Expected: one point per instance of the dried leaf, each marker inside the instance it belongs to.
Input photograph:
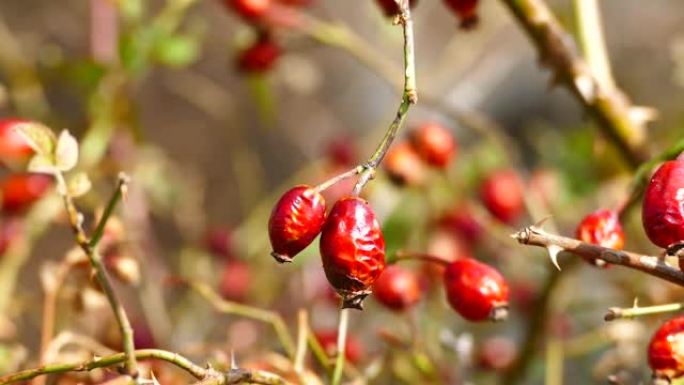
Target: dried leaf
(41, 139)
(79, 184)
(43, 164)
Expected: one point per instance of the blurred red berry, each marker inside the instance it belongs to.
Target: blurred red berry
(502, 194)
(236, 280)
(497, 353)
(14, 149)
(260, 57)
(663, 207)
(250, 10)
(434, 143)
(390, 7)
(341, 152)
(466, 11)
(462, 220)
(397, 288)
(603, 228)
(476, 291)
(545, 184)
(19, 191)
(353, 350)
(295, 221)
(10, 229)
(143, 338)
(404, 166)
(352, 249)
(666, 350)
(219, 242)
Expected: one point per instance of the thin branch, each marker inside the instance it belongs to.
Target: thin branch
(408, 256)
(109, 209)
(409, 97)
(651, 265)
(635, 311)
(341, 346)
(592, 41)
(76, 222)
(247, 311)
(611, 108)
(302, 335)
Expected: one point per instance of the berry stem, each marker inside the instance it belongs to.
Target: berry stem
(635, 311)
(409, 97)
(651, 265)
(341, 346)
(338, 178)
(406, 256)
(76, 223)
(609, 107)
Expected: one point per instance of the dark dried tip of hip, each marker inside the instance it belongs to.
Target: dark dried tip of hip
(499, 313)
(658, 380)
(676, 250)
(281, 258)
(354, 300)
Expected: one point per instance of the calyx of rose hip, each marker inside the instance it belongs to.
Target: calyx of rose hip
(352, 250)
(295, 222)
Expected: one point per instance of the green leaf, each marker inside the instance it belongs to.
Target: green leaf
(41, 139)
(66, 153)
(177, 50)
(79, 184)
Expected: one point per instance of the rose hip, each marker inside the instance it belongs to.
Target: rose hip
(434, 143)
(13, 147)
(476, 291)
(390, 7)
(404, 166)
(663, 207)
(502, 194)
(295, 221)
(250, 10)
(235, 281)
(466, 11)
(397, 288)
(352, 250)
(260, 57)
(666, 350)
(603, 228)
(353, 350)
(20, 191)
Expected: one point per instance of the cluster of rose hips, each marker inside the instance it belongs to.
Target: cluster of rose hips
(352, 245)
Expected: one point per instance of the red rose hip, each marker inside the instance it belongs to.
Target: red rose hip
(466, 11)
(397, 288)
(259, 57)
(404, 166)
(352, 250)
(666, 350)
(476, 291)
(250, 10)
(434, 143)
(603, 228)
(663, 208)
(20, 191)
(502, 194)
(13, 147)
(295, 221)
(353, 350)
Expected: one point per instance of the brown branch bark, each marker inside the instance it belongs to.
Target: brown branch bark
(611, 109)
(652, 265)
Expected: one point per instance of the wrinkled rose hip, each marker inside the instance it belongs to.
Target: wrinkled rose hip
(476, 291)
(663, 207)
(352, 250)
(397, 288)
(295, 221)
(603, 228)
(666, 350)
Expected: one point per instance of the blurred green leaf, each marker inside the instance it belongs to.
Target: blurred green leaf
(177, 50)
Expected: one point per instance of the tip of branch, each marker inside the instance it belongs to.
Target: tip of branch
(612, 314)
(522, 236)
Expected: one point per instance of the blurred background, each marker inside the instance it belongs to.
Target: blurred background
(153, 88)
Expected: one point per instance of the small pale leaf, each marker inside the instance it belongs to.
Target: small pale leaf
(79, 184)
(41, 139)
(66, 153)
(42, 164)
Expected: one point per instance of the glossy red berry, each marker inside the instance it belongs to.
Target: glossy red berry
(250, 10)
(352, 250)
(13, 147)
(397, 288)
(353, 350)
(466, 11)
(19, 191)
(390, 7)
(666, 350)
(663, 207)
(476, 291)
(502, 194)
(235, 281)
(603, 228)
(295, 221)
(260, 57)
(434, 143)
(404, 166)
